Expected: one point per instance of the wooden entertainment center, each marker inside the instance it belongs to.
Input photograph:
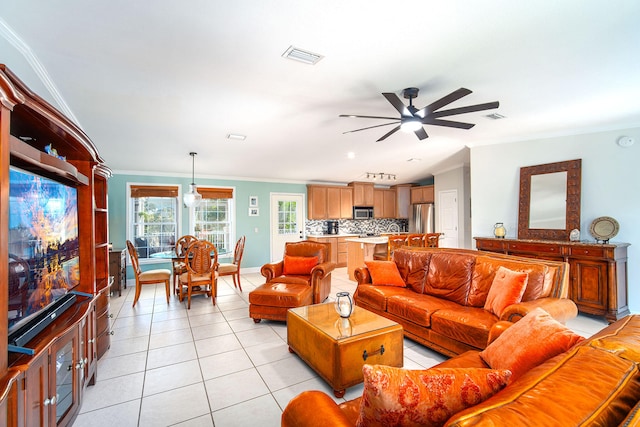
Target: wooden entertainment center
(44, 385)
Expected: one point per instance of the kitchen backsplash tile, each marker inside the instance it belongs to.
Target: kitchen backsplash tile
(361, 226)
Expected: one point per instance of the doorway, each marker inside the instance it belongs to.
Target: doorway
(287, 221)
(448, 218)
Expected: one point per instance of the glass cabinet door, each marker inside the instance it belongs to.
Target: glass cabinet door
(64, 379)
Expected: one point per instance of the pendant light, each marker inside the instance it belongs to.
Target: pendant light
(192, 198)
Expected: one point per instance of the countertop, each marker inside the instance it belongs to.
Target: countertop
(370, 240)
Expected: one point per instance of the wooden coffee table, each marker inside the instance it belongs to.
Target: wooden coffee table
(336, 348)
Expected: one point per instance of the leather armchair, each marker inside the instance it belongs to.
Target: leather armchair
(320, 277)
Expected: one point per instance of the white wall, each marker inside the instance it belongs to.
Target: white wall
(610, 187)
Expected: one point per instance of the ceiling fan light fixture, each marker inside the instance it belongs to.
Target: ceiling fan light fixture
(411, 124)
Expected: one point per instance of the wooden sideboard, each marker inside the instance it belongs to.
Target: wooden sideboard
(597, 272)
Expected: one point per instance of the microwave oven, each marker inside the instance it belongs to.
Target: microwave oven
(362, 212)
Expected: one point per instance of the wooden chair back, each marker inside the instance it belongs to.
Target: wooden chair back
(432, 240)
(415, 240)
(239, 251)
(201, 258)
(183, 244)
(133, 254)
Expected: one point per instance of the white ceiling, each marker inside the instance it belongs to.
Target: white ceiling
(150, 81)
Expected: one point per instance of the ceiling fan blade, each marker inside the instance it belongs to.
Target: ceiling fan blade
(370, 127)
(421, 134)
(448, 123)
(445, 100)
(468, 109)
(369, 117)
(388, 134)
(397, 103)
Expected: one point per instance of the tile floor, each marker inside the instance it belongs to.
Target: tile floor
(211, 365)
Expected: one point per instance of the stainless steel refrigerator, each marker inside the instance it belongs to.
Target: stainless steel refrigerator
(422, 218)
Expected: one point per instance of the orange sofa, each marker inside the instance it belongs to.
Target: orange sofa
(594, 382)
(442, 304)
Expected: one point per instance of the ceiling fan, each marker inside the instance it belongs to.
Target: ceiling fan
(412, 119)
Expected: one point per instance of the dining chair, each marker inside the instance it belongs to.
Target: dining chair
(233, 268)
(395, 241)
(415, 240)
(149, 277)
(201, 277)
(432, 240)
(179, 266)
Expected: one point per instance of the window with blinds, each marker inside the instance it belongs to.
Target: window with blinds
(213, 218)
(153, 224)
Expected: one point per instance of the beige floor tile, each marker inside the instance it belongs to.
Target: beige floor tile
(174, 406)
(235, 388)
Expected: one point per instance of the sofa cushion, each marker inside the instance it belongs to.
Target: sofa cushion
(449, 276)
(401, 397)
(583, 387)
(413, 266)
(384, 273)
(300, 265)
(416, 308)
(375, 297)
(507, 288)
(486, 267)
(470, 325)
(530, 341)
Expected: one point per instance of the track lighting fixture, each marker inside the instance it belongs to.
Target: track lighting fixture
(381, 176)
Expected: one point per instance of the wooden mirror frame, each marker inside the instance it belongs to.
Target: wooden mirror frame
(574, 174)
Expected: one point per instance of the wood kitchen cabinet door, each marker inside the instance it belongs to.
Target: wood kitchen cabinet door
(316, 202)
(424, 194)
(362, 193)
(339, 203)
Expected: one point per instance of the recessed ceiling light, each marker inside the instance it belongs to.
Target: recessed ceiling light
(495, 116)
(413, 159)
(300, 55)
(236, 136)
(351, 155)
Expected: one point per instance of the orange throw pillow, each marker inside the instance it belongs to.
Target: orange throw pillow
(300, 265)
(530, 341)
(385, 273)
(402, 397)
(507, 288)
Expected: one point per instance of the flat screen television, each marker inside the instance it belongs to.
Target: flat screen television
(43, 248)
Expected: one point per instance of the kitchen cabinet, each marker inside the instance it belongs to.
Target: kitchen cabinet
(403, 200)
(597, 272)
(423, 194)
(384, 203)
(329, 202)
(338, 249)
(362, 193)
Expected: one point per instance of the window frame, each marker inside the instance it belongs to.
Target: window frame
(130, 222)
(232, 214)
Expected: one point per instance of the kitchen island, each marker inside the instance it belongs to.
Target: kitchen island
(361, 249)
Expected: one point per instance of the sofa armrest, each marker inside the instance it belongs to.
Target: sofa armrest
(269, 271)
(321, 270)
(313, 409)
(561, 309)
(362, 275)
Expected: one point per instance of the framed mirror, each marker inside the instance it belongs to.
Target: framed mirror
(549, 200)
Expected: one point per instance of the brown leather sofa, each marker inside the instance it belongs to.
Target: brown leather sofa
(283, 290)
(442, 305)
(596, 382)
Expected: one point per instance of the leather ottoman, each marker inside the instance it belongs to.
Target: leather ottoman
(272, 300)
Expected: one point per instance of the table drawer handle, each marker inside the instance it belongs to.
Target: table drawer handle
(379, 351)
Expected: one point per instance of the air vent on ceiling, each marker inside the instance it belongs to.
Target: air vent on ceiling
(302, 55)
(495, 116)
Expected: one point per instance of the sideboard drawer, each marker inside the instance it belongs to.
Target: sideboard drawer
(533, 247)
(490, 245)
(587, 251)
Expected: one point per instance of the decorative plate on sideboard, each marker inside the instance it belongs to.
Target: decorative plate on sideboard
(604, 228)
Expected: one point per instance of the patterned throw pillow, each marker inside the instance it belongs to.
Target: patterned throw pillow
(530, 341)
(301, 265)
(507, 288)
(385, 273)
(402, 397)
